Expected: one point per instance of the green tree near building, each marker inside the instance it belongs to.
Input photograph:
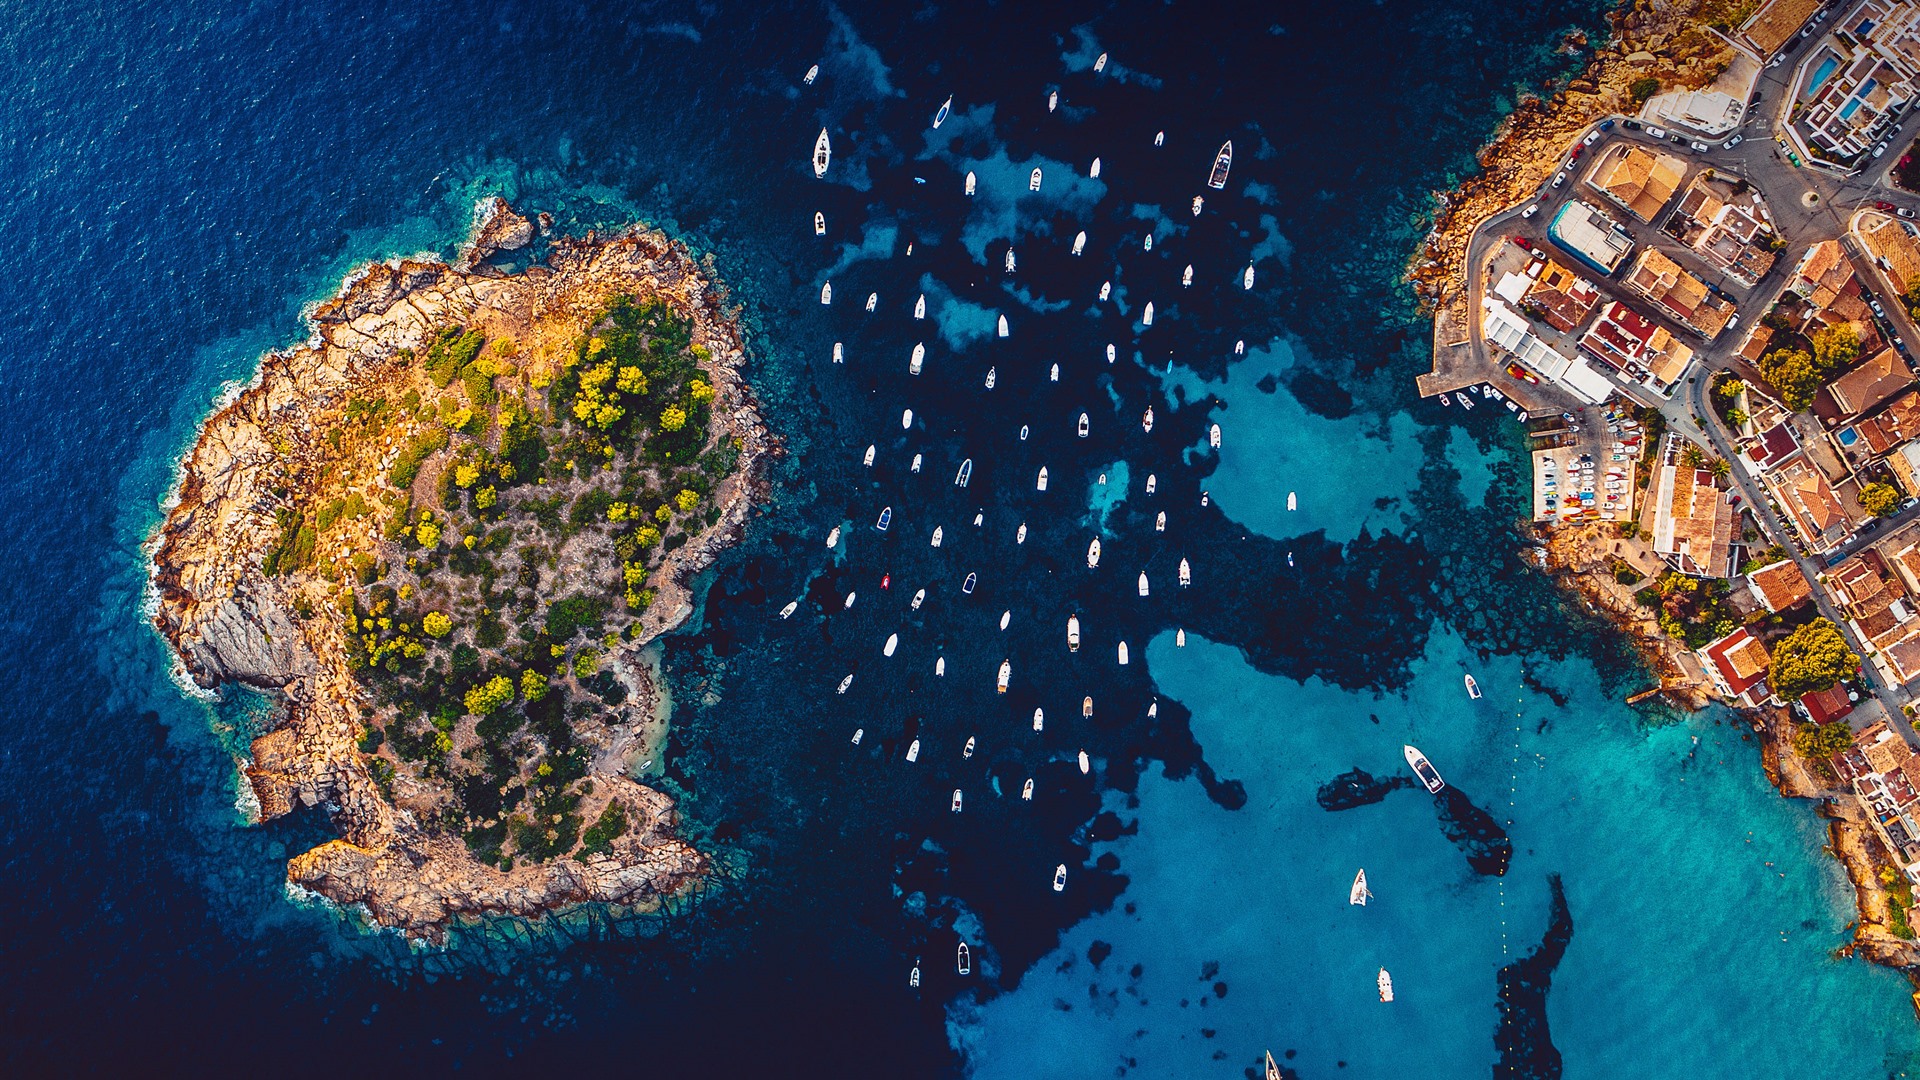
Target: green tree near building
(1791, 373)
(1811, 658)
(1834, 347)
(1822, 740)
(1879, 499)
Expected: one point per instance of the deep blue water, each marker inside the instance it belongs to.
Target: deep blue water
(187, 176)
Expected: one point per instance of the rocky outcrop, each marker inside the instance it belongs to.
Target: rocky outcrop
(230, 621)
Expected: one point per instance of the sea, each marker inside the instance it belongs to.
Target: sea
(1601, 890)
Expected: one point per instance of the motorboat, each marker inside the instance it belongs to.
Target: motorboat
(867, 460)
(920, 308)
(848, 603)
(1086, 763)
(1180, 638)
(1186, 277)
(1073, 633)
(1465, 401)
(938, 532)
(967, 750)
(1445, 400)
(1006, 675)
(1041, 484)
(858, 734)
(1112, 353)
(966, 960)
(1359, 893)
(965, 474)
(886, 581)
(1020, 534)
(1222, 162)
(1023, 432)
(1033, 181)
(1159, 137)
(906, 419)
(946, 109)
(1100, 64)
(1148, 245)
(1080, 242)
(940, 666)
(839, 353)
(844, 683)
(1198, 202)
(915, 467)
(970, 181)
(893, 642)
(1160, 522)
(1060, 878)
(1146, 317)
(1026, 790)
(919, 597)
(979, 519)
(1005, 618)
(1003, 318)
(1289, 558)
(1206, 499)
(1093, 553)
(1106, 290)
(1054, 374)
(1146, 423)
(1246, 279)
(1011, 262)
(1424, 769)
(1293, 500)
(1153, 708)
(1039, 719)
(1143, 583)
(1473, 688)
(833, 536)
(822, 153)
(1240, 347)
(1103, 480)
(1385, 982)
(913, 980)
(1093, 171)
(966, 587)
(1213, 436)
(1123, 654)
(1153, 482)
(919, 358)
(812, 74)
(819, 223)
(1053, 102)
(993, 376)
(956, 804)
(1084, 426)
(792, 606)
(826, 292)
(1086, 707)
(873, 301)
(1186, 574)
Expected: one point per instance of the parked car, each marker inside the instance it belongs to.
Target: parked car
(1777, 61)
(1592, 137)
(1733, 321)
(1658, 133)
(1676, 140)
(1530, 211)
(1562, 179)
(1754, 100)
(1630, 125)
(1698, 147)
(1903, 211)
(1733, 142)
(1883, 205)
(1881, 149)
(1522, 242)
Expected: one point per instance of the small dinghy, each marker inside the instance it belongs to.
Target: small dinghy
(1123, 654)
(1026, 790)
(1198, 202)
(1153, 481)
(1093, 554)
(885, 519)
(1086, 707)
(1160, 522)
(1020, 534)
(822, 153)
(1033, 181)
(993, 376)
(792, 606)
(873, 300)
(1100, 64)
(938, 532)
(826, 292)
(819, 223)
(1011, 262)
(946, 108)
(1213, 436)
(919, 598)
(1039, 719)
(970, 183)
(1093, 171)
(1080, 242)
(915, 467)
(839, 353)
(1180, 638)
(1084, 426)
(940, 666)
(1473, 688)
(1146, 422)
(1186, 277)
(1106, 290)
(814, 73)
(1054, 374)
(1293, 500)
(1006, 676)
(961, 478)
(967, 750)
(913, 751)
(833, 536)
(858, 734)
(1003, 318)
(1359, 894)
(966, 587)
(1086, 763)
(844, 683)
(1148, 244)
(966, 960)
(1005, 618)
(1053, 102)
(919, 357)
(906, 419)
(1041, 484)
(868, 459)
(956, 809)
(1146, 317)
(920, 307)
(1186, 574)
(1246, 279)
(893, 642)
(1112, 353)
(1143, 583)
(1073, 633)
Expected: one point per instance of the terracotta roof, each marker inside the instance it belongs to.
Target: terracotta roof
(1893, 425)
(1684, 296)
(1879, 378)
(1781, 585)
(1740, 660)
(1776, 22)
(1823, 274)
(1887, 238)
(1566, 297)
(1827, 705)
(1888, 752)
(1904, 657)
(1756, 344)
(1642, 181)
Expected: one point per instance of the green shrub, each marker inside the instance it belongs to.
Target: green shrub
(577, 612)
(407, 465)
(599, 837)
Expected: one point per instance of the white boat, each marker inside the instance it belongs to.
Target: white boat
(858, 734)
(812, 74)
(919, 598)
(1240, 347)
(1086, 764)
(967, 750)
(940, 666)
(956, 809)
(979, 519)
(839, 353)
(993, 376)
(1054, 374)
(1073, 633)
(966, 587)
(1011, 262)
(819, 223)
(1186, 277)
(1293, 500)
(1246, 279)
(1222, 162)
(1041, 484)
(1005, 618)
(1023, 432)
(1112, 352)
(1060, 878)
(867, 460)
(970, 181)
(1003, 318)
(1033, 181)
(1053, 101)
(961, 478)
(1160, 522)
(792, 606)
(826, 292)
(915, 467)
(938, 532)
(1084, 426)
(1148, 245)
(1180, 638)
(1100, 64)
(844, 683)
(1093, 553)
(1006, 676)
(893, 642)
(966, 961)
(1385, 982)
(1143, 583)
(913, 980)
(1159, 137)
(822, 153)
(1106, 290)
(1086, 708)
(1146, 317)
(1273, 1071)
(848, 603)
(919, 357)
(1103, 480)
(1026, 790)
(1186, 574)
(906, 419)
(1423, 769)
(1213, 436)
(1153, 481)
(1198, 202)
(920, 308)
(1039, 719)
(1359, 893)
(833, 536)
(1080, 242)
(1123, 654)
(1146, 425)
(1020, 534)
(946, 108)
(873, 300)
(1473, 688)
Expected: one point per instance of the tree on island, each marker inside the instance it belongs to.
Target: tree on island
(1792, 374)
(1880, 500)
(1811, 658)
(1822, 740)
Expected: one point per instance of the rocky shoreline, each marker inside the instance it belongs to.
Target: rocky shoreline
(274, 449)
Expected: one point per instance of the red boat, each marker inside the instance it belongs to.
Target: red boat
(886, 580)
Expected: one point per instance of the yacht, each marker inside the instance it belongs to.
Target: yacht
(1186, 277)
(1041, 484)
(940, 666)
(848, 604)
(967, 750)
(1160, 522)
(938, 532)
(844, 683)
(1053, 102)
(1153, 481)
(1020, 534)
(1146, 425)
(1111, 352)
(1106, 290)
(1423, 769)
(915, 467)
(1143, 583)
(839, 353)
(1473, 689)
(906, 419)
(1385, 982)
(1073, 633)
(919, 357)
(1146, 317)
(1080, 242)
(956, 809)
(1033, 181)
(858, 734)
(920, 309)
(1006, 675)
(1003, 318)
(919, 598)
(1086, 763)
(1186, 574)
(833, 536)
(819, 223)
(822, 153)
(1246, 279)
(1039, 719)
(913, 980)
(1086, 710)
(1093, 171)
(1060, 878)
(1100, 64)
(826, 292)
(1221, 163)
(792, 606)
(1293, 500)
(893, 642)
(1084, 425)
(1159, 137)
(1093, 553)
(1359, 893)
(965, 474)
(812, 74)
(1197, 203)
(946, 109)
(966, 960)
(1123, 654)
(970, 183)
(1148, 245)
(966, 587)
(1054, 374)
(1005, 618)
(1026, 790)
(868, 459)
(993, 376)
(873, 300)
(1213, 436)
(1180, 638)
(1011, 262)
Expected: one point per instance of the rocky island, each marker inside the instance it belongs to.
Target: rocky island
(439, 533)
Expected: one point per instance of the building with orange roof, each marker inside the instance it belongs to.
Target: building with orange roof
(1692, 520)
(1779, 586)
(1737, 664)
(1811, 506)
(1681, 295)
(1822, 273)
(1561, 298)
(1774, 23)
(1639, 180)
(1875, 380)
(1891, 243)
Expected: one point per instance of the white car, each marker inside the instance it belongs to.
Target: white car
(1530, 211)
(1733, 142)
(1658, 133)
(1777, 61)
(1560, 179)
(1592, 137)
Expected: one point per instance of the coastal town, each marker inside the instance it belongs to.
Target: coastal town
(1695, 286)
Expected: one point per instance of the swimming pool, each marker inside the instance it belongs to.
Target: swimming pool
(1821, 74)
(1849, 436)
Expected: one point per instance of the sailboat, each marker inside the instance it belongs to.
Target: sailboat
(812, 74)
(1005, 676)
(913, 980)
(1246, 279)
(1003, 318)
(1359, 893)
(965, 474)
(1073, 633)
(1423, 769)
(1221, 163)
(1273, 1071)
(1053, 100)
(1033, 180)
(819, 223)
(1385, 982)
(826, 292)
(1080, 242)
(1041, 484)
(920, 307)
(946, 107)
(1473, 689)
(970, 181)
(822, 153)
(1093, 554)
(919, 357)
(1060, 878)
(1039, 719)
(1093, 171)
